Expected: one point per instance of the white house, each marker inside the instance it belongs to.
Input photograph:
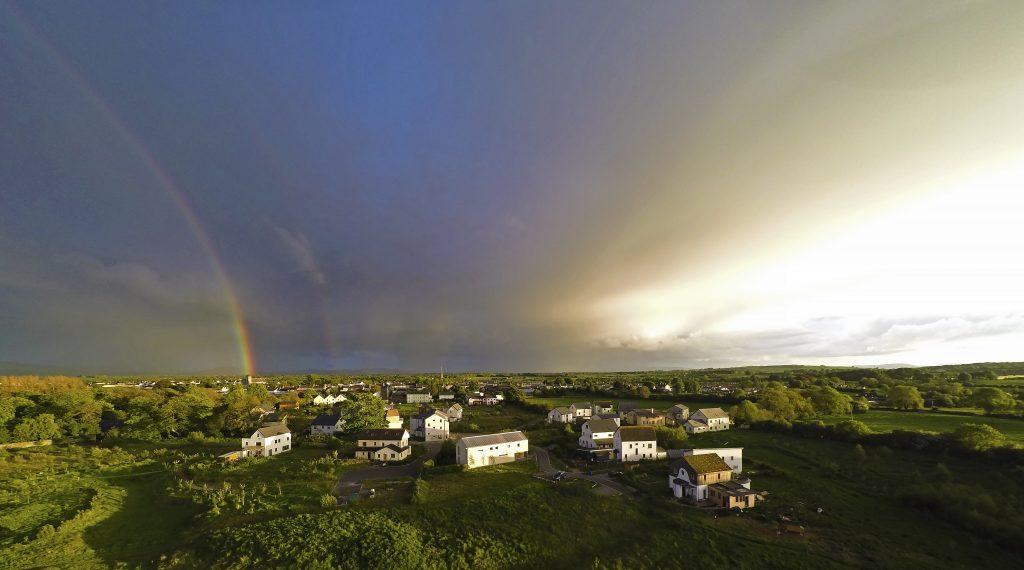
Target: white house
(715, 418)
(598, 434)
(326, 424)
(694, 426)
(430, 424)
(454, 412)
(581, 410)
(635, 443)
(733, 456)
(482, 450)
(483, 401)
(560, 415)
(393, 418)
(370, 441)
(269, 440)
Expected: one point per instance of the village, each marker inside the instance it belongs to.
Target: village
(614, 437)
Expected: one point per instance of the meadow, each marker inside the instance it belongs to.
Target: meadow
(887, 420)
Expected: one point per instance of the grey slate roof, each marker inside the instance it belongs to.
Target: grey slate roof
(598, 426)
(326, 420)
(713, 413)
(637, 433)
(493, 439)
(383, 434)
(272, 430)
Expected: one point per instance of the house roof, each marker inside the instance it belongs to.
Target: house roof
(696, 423)
(603, 404)
(598, 426)
(272, 430)
(392, 413)
(733, 488)
(562, 410)
(385, 434)
(637, 433)
(395, 448)
(647, 413)
(581, 404)
(493, 439)
(626, 406)
(430, 412)
(679, 407)
(326, 420)
(713, 413)
(455, 406)
(605, 416)
(700, 464)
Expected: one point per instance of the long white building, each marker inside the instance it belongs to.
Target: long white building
(493, 449)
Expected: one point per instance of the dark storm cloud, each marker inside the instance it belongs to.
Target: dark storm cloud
(521, 186)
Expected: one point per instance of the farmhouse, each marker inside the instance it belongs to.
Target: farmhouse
(715, 418)
(454, 412)
(371, 441)
(326, 424)
(560, 415)
(430, 424)
(598, 434)
(482, 450)
(633, 443)
(269, 440)
(581, 409)
(393, 418)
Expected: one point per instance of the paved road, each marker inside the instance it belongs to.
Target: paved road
(544, 462)
(411, 469)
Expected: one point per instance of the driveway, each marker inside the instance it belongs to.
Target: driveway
(544, 462)
(411, 469)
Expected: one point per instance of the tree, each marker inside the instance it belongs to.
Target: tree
(43, 426)
(748, 412)
(691, 386)
(184, 412)
(644, 392)
(671, 437)
(905, 398)
(677, 386)
(993, 400)
(851, 429)
(446, 456)
(861, 405)
(259, 391)
(830, 402)
(978, 437)
(364, 410)
(514, 394)
(784, 403)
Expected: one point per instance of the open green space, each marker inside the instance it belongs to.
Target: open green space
(555, 401)
(885, 420)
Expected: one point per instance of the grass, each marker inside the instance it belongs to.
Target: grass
(885, 420)
(491, 420)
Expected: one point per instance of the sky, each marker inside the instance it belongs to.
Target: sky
(509, 186)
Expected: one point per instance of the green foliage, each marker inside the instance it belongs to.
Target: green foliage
(338, 539)
(43, 426)
(978, 437)
(829, 401)
(671, 437)
(905, 398)
(993, 400)
(364, 410)
(446, 455)
(421, 490)
(851, 429)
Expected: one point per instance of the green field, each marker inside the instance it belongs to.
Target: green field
(885, 420)
(555, 401)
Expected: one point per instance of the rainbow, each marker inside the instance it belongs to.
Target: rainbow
(239, 328)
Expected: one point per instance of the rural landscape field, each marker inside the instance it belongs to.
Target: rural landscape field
(515, 284)
(132, 473)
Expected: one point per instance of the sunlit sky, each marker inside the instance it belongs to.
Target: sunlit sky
(541, 186)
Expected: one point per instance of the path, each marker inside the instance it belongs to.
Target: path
(544, 462)
(411, 469)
